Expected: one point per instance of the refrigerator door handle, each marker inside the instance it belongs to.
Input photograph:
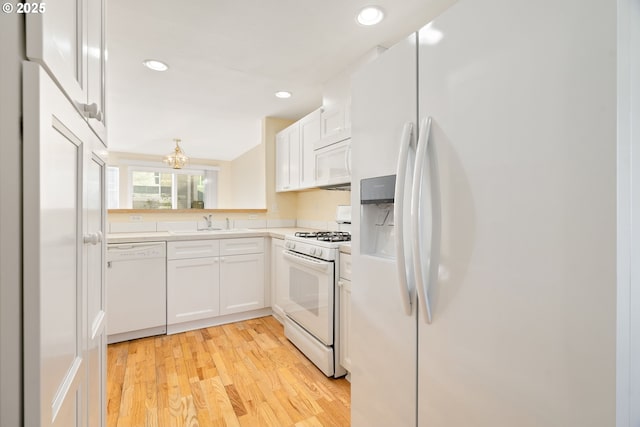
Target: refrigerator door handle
(422, 286)
(398, 212)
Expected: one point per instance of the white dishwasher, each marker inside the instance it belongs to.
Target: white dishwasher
(136, 290)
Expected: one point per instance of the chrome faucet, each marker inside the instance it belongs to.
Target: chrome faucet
(208, 220)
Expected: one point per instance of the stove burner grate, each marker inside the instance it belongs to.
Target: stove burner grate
(325, 236)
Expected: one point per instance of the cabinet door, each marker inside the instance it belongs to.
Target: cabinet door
(294, 156)
(345, 323)
(282, 161)
(309, 136)
(345, 266)
(193, 289)
(68, 40)
(54, 294)
(96, 67)
(241, 283)
(55, 39)
(288, 158)
(279, 279)
(94, 262)
(335, 124)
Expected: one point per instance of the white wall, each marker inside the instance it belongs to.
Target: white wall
(337, 90)
(628, 323)
(248, 186)
(11, 54)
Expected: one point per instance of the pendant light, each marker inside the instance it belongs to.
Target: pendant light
(177, 159)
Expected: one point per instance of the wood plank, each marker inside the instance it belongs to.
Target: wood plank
(245, 374)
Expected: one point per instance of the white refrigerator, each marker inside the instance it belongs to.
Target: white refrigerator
(484, 225)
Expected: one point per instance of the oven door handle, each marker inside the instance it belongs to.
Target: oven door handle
(306, 261)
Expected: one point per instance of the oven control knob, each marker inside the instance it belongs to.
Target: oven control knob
(312, 251)
(320, 252)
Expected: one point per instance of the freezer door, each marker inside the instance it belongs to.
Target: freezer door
(523, 111)
(383, 338)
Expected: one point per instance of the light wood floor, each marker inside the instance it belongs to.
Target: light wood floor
(241, 374)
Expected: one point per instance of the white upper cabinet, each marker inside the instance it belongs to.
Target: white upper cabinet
(55, 39)
(68, 40)
(335, 124)
(295, 162)
(309, 136)
(288, 158)
(96, 67)
(315, 150)
(282, 162)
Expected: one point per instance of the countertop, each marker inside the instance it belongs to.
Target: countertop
(277, 233)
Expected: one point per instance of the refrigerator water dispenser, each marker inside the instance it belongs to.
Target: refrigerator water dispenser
(377, 234)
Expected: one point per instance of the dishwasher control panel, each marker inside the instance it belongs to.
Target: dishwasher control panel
(124, 251)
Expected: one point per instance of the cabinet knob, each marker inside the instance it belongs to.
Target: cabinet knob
(93, 238)
(91, 111)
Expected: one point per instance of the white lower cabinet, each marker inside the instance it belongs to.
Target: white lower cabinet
(211, 278)
(279, 279)
(193, 289)
(345, 310)
(241, 283)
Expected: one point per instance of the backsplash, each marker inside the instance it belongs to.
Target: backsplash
(320, 205)
(154, 226)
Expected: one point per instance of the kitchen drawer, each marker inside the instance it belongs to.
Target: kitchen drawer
(345, 266)
(249, 245)
(193, 249)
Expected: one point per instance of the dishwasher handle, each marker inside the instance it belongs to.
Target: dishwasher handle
(128, 246)
(135, 251)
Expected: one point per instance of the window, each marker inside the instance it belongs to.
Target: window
(151, 190)
(190, 188)
(113, 187)
(150, 187)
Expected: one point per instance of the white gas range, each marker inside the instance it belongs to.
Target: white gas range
(312, 321)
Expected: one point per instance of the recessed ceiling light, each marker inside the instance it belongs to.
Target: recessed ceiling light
(283, 94)
(430, 35)
(155, 65)
(370, 15)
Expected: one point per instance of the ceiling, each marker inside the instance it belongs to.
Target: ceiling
(227, 58)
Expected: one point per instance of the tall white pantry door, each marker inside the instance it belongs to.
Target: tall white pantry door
(64, 346)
